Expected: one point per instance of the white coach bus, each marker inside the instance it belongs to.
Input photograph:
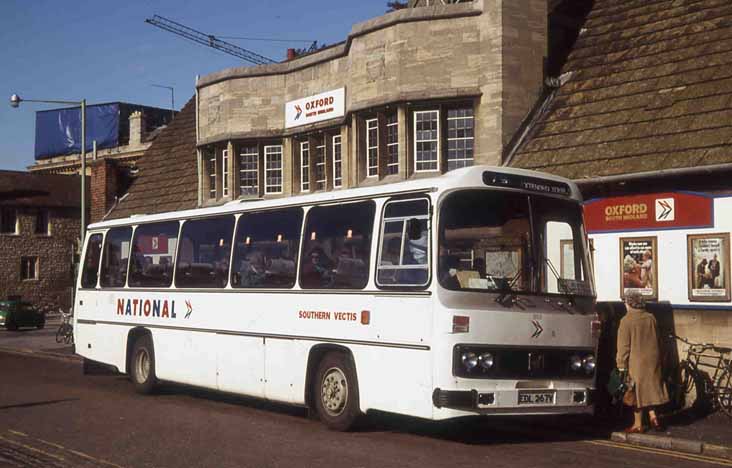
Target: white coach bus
(464, 294)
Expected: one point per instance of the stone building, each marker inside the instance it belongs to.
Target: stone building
(39, 232)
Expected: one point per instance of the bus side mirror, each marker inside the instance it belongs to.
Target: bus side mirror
(414, 229)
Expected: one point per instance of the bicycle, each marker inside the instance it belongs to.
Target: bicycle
(65, 332)
(706, 372)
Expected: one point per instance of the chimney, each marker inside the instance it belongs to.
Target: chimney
(137, 128)
(104, 183)
(291, 55)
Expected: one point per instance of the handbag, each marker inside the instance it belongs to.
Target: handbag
(616, 385)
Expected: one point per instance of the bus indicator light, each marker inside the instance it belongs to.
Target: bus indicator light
(365, 317)
(460, 324)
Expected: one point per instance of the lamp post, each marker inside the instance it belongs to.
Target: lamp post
(15, 101)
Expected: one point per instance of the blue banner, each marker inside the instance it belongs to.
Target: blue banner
(58, 132)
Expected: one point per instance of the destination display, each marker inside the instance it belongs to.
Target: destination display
(532, 184)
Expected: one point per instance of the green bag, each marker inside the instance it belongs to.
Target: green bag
(616, 384)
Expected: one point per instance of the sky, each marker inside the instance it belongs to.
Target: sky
(103, 51)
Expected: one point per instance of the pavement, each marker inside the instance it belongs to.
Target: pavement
(685, 432)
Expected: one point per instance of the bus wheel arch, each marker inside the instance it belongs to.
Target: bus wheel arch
(140, 365)
(332, 386)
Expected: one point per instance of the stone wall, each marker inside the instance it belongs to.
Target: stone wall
(491, 49)
(55, 251)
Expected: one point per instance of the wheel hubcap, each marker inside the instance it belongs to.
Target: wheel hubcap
(142, 366)
(334, 391)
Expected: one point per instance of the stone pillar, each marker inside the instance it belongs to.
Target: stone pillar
(104, 183)
(137, 128)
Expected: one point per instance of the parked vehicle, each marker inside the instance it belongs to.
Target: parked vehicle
(16, 314)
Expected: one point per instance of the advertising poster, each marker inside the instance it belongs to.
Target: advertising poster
(708, 257)
(639, 266)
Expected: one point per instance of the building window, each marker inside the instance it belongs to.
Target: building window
(392, 144)
(305, 166)
(42, 224)
(248, 170)
(426, 140)
(211, 168)
(460, 137)
(8, 221)
(337, 162)
(273, 169)
(28, 268)
(372, 147)
(225, 173)
(320, 172)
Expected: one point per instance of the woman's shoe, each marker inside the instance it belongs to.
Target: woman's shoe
(635, 430)
(656, 425)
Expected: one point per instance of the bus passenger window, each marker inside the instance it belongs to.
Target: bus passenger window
(91, 262)
(404, 255)
(203, 256)
(266, 249)
(152, 248)
(115, 256)
(337, 246)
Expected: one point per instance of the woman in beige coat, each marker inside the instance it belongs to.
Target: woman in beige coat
(639, 353)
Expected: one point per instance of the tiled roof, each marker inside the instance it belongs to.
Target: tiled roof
(40, 190)
(650, 89)
(167, 179)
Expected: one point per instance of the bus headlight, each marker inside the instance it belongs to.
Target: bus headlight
(575, 363)
(588, 363)
(470, 360)
(486, 361)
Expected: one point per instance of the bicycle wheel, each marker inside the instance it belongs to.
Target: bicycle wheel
(69, 336)
(724, 392)
(684, 392)
(60, 333)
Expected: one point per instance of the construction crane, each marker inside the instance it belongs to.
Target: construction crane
(208, 40)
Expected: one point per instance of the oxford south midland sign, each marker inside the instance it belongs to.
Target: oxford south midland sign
(311, 109)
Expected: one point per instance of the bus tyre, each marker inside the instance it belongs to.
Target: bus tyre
(142, 365)
(336, 392)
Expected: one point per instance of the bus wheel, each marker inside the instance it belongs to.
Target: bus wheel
(336, 392)
(142, 365)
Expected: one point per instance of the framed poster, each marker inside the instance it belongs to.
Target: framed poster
(708, 260)
(639, 266)
(566, 267)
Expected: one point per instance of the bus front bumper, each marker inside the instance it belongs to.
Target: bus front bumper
(514, 401)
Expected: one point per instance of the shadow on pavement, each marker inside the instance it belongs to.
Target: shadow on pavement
(38, 403)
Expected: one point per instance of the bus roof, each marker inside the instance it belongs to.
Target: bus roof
(466, 177)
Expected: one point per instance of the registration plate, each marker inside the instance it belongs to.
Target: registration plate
(536, 398)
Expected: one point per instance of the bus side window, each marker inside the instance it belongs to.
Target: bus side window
(203, 257)
(115, 256)
(266, 249)
(404, 251)
(91, 262)
(153, 249)
(337, 246)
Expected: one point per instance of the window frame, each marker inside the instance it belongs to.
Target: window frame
(304, 167)
(36, 262)
(369, 167)
(379, 245)
(438, 140)
(3, 211)
(390, 165)
(181, 227)
(337, 181)
(304, 241)
(45, 215)
(321, 185)
(210, 156)
(267, 170)
(82, 262)
(448, 139)
(102, 257)
(174, 260)
(225, 172)
(244, 151)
